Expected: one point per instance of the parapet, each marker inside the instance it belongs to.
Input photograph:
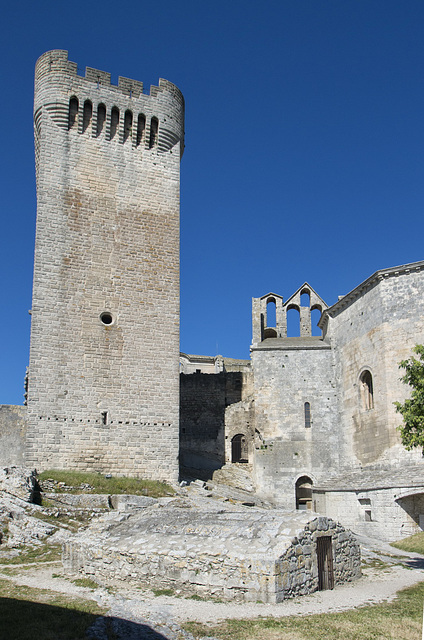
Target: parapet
(92, 105)
(56, 61)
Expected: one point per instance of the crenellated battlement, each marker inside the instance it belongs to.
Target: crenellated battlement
(91, 105)
(56, 61)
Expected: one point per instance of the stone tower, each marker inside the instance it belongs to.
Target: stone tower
(104, 361)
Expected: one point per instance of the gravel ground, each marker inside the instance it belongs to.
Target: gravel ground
(139, 615)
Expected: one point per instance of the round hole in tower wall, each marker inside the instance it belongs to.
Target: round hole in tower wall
(106, 318)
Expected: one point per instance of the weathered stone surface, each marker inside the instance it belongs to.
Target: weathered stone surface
(214, 549)
(103, 389)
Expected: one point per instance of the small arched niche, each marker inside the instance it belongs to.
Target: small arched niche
(101, 119)
(114, 122)
(154, 129)
(367, 390)
(87, 115)
(141, 127)
(128, 120)
(73, 113)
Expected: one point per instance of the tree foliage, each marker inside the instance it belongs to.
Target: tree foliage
(412, 410)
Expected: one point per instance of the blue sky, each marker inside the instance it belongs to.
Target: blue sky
(304, 147)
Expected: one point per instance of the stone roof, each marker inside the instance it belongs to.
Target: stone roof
(369, 283)
(372, 479)
(219, 528)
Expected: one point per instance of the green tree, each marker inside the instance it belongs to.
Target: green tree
(412, 410)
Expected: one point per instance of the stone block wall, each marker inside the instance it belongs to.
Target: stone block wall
(103, 376)
(13, 433)
(373, 330)
(285, 378)
(205, 402)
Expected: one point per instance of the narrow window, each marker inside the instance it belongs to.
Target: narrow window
(367, 390)
(87, 115)
(128, 120)
(73, 113)
(154, 126)
(307, 415)
(141, 126)
(105, 417)
(101, 119)
(114, 122)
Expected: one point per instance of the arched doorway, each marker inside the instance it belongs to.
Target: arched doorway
(239, 448)
(304, 493)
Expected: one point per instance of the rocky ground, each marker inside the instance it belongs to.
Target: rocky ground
(139, 614)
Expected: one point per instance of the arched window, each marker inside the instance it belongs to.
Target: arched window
(271, 313)
(141, 127)
(367, 390)
(154, 127)
(101, 119)
(239, 448)
(305, 298)
(316, 312)
(307, 409)
(304, 493)
(293, 321)
(128, 119)
(73, 113)
(114, 122)
(271, 319)
(87, 115)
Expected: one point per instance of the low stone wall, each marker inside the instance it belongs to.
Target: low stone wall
(240, 554)
(388, 514)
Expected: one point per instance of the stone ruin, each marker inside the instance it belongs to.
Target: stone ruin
(216, 549)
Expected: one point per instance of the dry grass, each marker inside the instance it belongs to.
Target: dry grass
(98, 483)
(398, 620)
(31, 555)
(414, 544)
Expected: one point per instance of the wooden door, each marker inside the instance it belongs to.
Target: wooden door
(325, 563)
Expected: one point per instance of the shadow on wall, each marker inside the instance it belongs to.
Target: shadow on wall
(203, 400)
(414, 507)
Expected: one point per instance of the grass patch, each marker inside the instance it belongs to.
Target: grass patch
(98, 483)
(28, 613)
(32, 555)
(375, 563)
(86, 582)
(164, 592)
(400, 619)
(413, 544)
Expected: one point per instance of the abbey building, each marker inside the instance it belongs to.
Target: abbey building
(309, 420)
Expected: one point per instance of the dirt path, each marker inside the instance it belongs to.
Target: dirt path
(376, 585)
